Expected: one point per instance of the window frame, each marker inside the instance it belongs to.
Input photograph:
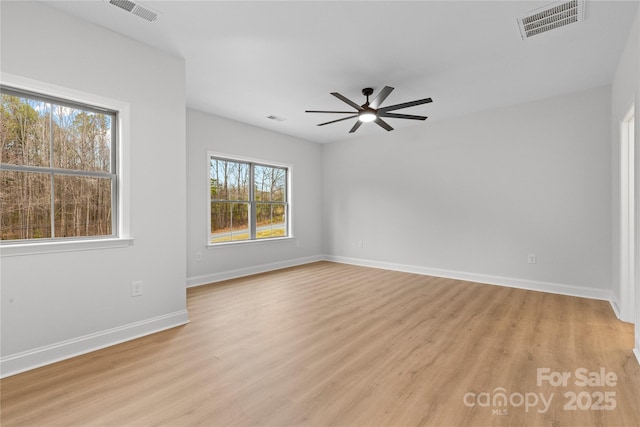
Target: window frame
(251, 162)
(119, 168)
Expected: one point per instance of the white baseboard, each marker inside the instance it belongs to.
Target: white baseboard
(554, 288)
(31, 359)
(615, 305)
(248, 271)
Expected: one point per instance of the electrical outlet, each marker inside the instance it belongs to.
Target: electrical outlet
(360, 243)
(532, 258)
(198, 256)
(136, 288)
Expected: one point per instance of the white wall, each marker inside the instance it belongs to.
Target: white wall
(210, 133)
(471, 197)
(635, 36)
(56, 305)
(625, 93)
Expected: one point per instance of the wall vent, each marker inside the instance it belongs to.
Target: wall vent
(550, 17)
(136, 9)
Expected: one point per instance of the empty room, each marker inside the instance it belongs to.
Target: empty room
(320, 213)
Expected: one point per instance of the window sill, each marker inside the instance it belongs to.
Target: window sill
(249, 242)
(18, 249)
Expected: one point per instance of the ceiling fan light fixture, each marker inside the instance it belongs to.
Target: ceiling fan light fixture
(367, 116)
(372, 111)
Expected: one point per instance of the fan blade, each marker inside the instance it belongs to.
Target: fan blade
(404, 105)
(379, 99)
(339, 120)
(401, 116)
(356, 126)
(322, 111)
(383, 124)
(346, 100)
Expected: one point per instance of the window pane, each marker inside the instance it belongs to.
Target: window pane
(82, 139)
(229, 180)
(24, 131)
(271, 220)
(82, 206)
(270, 183)
(25, 205)
(229, 222)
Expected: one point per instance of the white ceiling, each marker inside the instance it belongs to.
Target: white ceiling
(248, 60)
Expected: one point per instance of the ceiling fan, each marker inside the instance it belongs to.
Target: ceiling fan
(371, 111)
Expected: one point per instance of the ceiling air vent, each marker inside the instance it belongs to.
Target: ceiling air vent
(550, 17)
(136, 9)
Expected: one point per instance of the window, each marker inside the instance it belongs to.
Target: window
(248, 200)
(57, 169)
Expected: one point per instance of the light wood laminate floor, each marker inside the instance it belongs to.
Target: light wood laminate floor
(328, 344)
